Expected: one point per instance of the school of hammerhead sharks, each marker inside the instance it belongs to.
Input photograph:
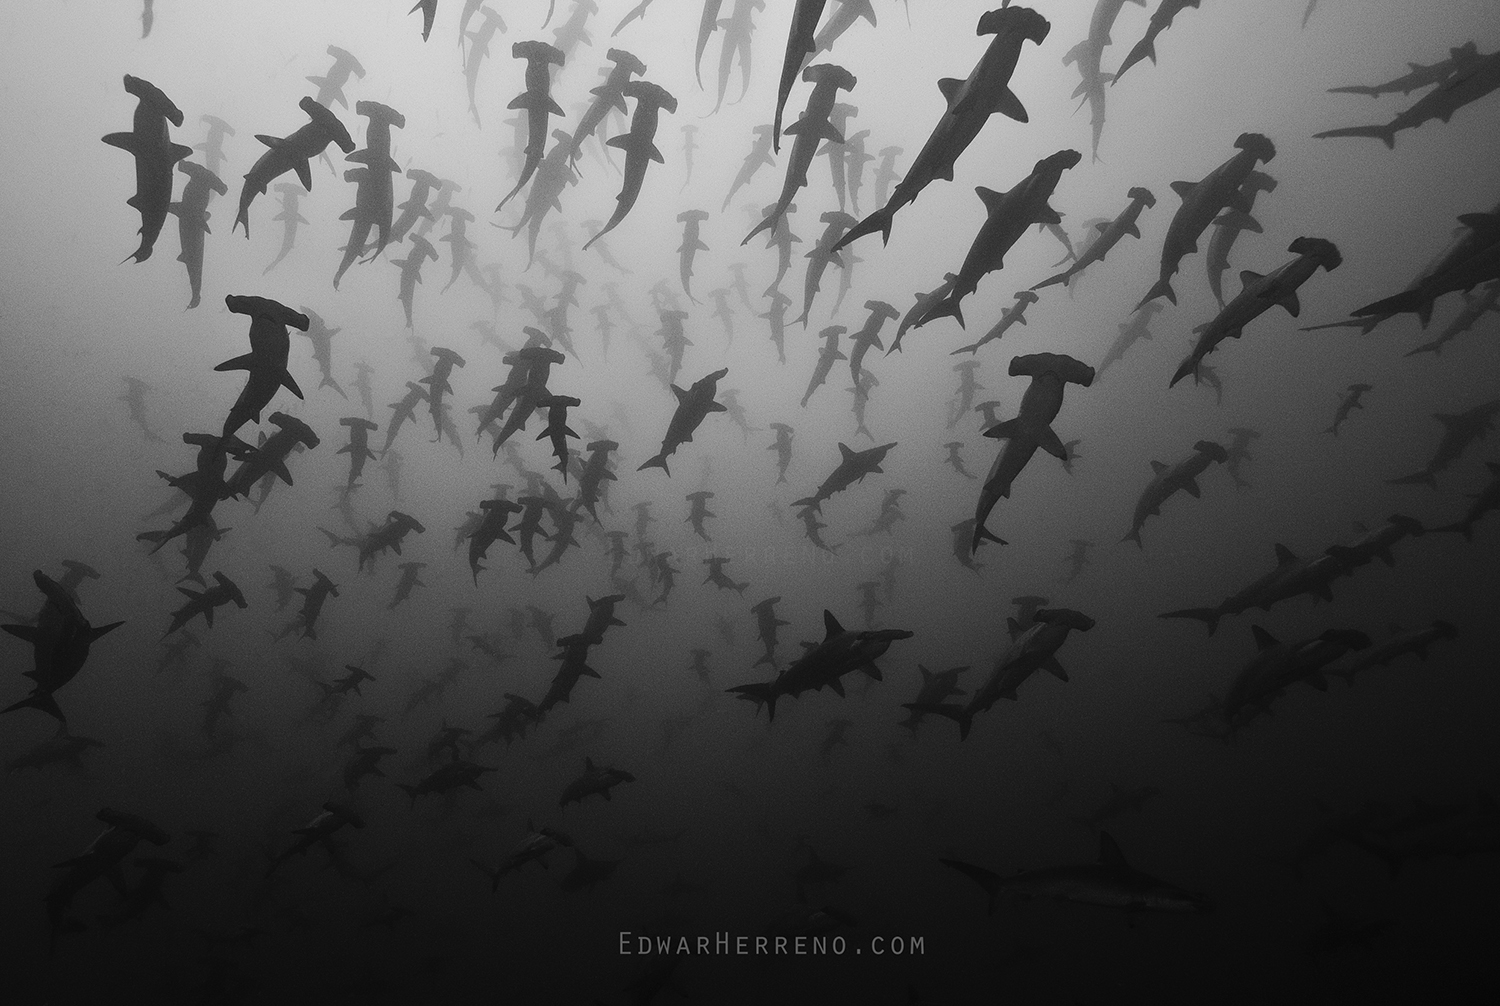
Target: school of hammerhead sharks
(259, 446)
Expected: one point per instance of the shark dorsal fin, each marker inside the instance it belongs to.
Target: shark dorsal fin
(1284, 555)
(1158, 467)
(949, 86)
(844, 452)
(831, 625)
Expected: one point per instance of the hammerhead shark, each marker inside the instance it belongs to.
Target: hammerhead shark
(814, 127)
(1168, 480)
(853, 466)
(192, 221)
(1013, 315)
(291, 219)
(608, 96)
(1417, 76)
(155, 158)
(292, 153)
(738, 29)
(1050, 374)
(800, 43)
(1259, 294)
(1202, 202)
(835, 224)
(639, 146)
(1031, 650)
(213, 144)
(971, 102)
(692, 244)
(1088, 56)
(537, 102)
(826, 358)
(1010, 215)
(479, 50)
(331, 84)
(1472, 78)
(1229, 226)
(375, 198)
(758, 157)
(270, 343)
(1161, 20)
(693, 406)
(411, 271)
(1110, 234)
(321, 337)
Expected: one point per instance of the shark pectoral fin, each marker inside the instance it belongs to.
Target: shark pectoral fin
(1285, 556)
(271, 141)
(1292, 304)
(177, 151)
(1052, 667)
(1132, 230)
(304, 173)
(280, 469)
(1003, 431)
(181, 590)
(1184, 189)
(1047, 215)
(290, 383)
(1010, 106)
(246, 362)
(1192, 489)
(837, 686)
(1158, 467)
(125, 141)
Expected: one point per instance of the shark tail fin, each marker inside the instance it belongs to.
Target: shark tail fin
(660, 461)
(759, 693)
(39, 700)
(982, 533)
(1163, 288)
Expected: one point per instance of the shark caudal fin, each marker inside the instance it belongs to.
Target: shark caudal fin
(1208, 616)
(660, 461)
(1163, 288)
(880, 221)
(38, 700)
(948, 307)
(760, 693)
(982, 533)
